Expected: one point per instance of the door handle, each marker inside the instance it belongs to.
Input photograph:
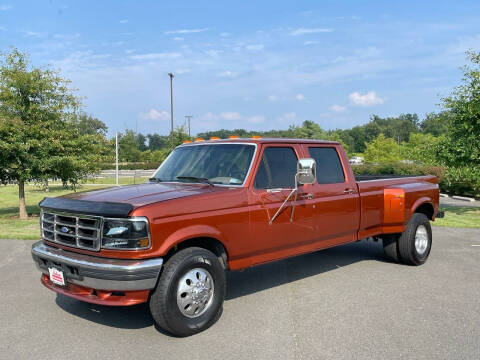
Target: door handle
(306, 196)
(349, 191)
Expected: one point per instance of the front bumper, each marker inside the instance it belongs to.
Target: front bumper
(97, 273)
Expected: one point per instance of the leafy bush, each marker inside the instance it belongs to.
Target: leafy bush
(132, 166)
(457, 181)
(461, 181)
(397, 168)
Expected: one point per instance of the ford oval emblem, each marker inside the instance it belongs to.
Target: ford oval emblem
(64, 229)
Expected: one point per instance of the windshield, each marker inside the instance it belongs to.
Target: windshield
(226, 164)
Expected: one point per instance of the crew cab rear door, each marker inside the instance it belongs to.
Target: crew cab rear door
(336, 215)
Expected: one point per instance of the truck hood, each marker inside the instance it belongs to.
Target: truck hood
(144, 194)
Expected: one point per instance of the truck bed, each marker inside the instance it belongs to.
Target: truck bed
(359, 178)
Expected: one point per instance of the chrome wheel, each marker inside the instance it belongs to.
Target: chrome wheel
(421, 240)
(195, 292)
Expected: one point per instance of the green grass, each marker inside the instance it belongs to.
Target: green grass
(13, 228)
(463, 217)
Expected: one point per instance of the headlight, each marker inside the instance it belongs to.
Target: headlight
(126, 234)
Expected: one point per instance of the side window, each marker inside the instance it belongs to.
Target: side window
(329, 167)
(277, 168)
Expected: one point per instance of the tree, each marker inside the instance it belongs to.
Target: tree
(157, 142)
(382, 150)
(39, 137)
(435, 124)
(128, 147)
(89, 125)
(461, 146)
(421, 148)
(140, 139)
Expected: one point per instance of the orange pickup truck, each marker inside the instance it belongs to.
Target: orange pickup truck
(221, 205)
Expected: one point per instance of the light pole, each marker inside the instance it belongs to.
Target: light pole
(171, 108)
(116, 158)
(188, 117)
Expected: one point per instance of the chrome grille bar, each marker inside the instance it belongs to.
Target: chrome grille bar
(79, 231)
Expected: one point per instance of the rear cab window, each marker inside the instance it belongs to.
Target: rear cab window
(277, 168)
(329, 166)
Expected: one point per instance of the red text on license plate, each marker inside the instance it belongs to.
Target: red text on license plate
(56, 276)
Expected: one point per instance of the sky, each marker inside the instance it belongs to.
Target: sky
(258, 65)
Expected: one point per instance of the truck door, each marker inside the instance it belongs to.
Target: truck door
(337, 204)
(273, 181)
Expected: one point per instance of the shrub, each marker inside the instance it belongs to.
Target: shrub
(461, 181)
(397, 168)
(457, 181)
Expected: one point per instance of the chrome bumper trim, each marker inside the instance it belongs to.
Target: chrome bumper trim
(96, 272)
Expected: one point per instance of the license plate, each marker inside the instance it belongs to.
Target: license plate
(56, 276)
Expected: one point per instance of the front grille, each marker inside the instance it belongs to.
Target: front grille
(80, 231)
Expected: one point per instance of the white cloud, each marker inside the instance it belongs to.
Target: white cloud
(67, 36)
(306, 31)
(272, 98)
(226, 115)
(255, 47)
(224, 34)
(300, 97)
(182, 71)
(186, 31)
(369, 99)
(213, 53)
(227, 74)
(178, 38)
(256, 119)
(123, 21)
(231, 115)
(5, 7)
(35, 33)
(154, 114)
(309, 42)
(2, 28)
(154, 56)
(337, 108)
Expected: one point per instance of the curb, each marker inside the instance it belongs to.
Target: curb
(444, 195)
(463, 198)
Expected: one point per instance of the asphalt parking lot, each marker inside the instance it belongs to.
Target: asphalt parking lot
(341, 303)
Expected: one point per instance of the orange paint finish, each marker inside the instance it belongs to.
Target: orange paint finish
(97, 296)
(238, 217)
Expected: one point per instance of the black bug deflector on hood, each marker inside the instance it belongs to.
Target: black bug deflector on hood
(109, 209)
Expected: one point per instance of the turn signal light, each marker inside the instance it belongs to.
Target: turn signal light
(256, 137)
(214, 138)
(199, 139)
(233, 137)
(187, 141)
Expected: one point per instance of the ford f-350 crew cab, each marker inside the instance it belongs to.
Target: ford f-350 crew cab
(223, 205)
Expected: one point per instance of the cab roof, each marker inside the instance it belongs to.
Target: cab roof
(262, 141)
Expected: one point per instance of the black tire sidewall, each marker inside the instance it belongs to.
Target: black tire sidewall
(422, 258)
(177, 323)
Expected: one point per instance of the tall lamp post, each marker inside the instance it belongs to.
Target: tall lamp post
(188, 118)
(171, 109)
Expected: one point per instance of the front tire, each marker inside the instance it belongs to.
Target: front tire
(190, 292)
(415, 243)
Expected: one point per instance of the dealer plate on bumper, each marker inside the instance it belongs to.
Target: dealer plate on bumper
(56, 276)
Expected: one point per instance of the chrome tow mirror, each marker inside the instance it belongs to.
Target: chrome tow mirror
(306, 174)
(306, 171)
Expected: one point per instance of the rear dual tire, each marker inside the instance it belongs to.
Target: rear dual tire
(412, 247)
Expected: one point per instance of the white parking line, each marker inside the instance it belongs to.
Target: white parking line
(476, 245)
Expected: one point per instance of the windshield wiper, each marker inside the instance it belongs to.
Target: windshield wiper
(196, 178)
(154, 179)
